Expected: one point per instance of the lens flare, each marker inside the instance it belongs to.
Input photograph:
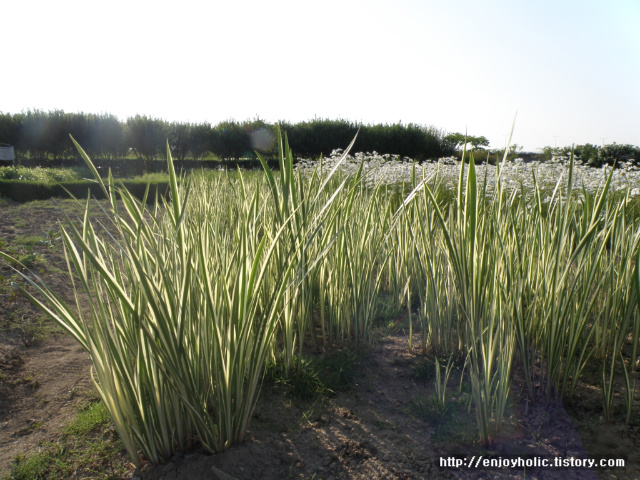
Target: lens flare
(262, 139)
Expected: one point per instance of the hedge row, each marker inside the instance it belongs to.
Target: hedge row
(44, 136)
(26, 191)
(596, 155)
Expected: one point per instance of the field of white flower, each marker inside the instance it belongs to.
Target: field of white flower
(392, 170)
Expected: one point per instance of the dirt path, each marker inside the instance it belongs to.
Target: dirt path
(44, 374)
(41, 395)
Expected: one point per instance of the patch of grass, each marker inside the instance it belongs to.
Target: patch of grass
(451, 420)
(37, 425)
(27, 191)
(429, 408)
(28, 240)
(301, 382)
(36, 328)
(28, 258)
(20, 222)
(23, 253)
(316, 377)
(38, 174)
(339, 370)
(28, 379)
(53, 270)
(386, 321)
(93, 417)
(152, 177)
(424, 365)
(46, 464)
(88, 448)
(423, 368)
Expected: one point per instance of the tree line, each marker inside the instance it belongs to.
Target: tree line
(597, 155)
(44, 136)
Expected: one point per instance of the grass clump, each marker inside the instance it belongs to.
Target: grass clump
(451, 421)
(302, 380)
(340, 370)
(431, 409)
(316, 377)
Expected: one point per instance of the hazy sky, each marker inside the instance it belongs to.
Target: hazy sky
(570, 68)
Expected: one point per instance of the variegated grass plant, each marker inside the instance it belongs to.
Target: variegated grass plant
(508, 278)
(185, 299)
(332, 229)
(508, 273)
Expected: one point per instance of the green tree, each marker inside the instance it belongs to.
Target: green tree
(10, 128)
(40, 133)
(201, 137)
(107, 137)
(230, 140)
(548, 152)
(180, 137)
(615, 152)
(262, 136)
(459, 140)
(147, 137)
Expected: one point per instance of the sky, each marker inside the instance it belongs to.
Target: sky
(569, 68)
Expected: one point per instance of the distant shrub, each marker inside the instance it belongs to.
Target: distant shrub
(321, 136)
(41, 175)
(596, 156)
(29, 190)
(619, 153)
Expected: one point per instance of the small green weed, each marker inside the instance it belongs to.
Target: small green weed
(36, 328)
(20, 222)
(28, 259)
(429, 408)
(423, 368)
(338, 370)
(450, 420)
(37, 425)
(301, 381)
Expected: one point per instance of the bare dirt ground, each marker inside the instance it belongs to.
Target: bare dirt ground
(43, 372)
(378, 430)
(385, 426)
(41, 394)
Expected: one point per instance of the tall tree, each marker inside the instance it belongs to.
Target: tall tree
(147, 137)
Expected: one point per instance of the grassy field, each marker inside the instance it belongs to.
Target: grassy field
(520, 271)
